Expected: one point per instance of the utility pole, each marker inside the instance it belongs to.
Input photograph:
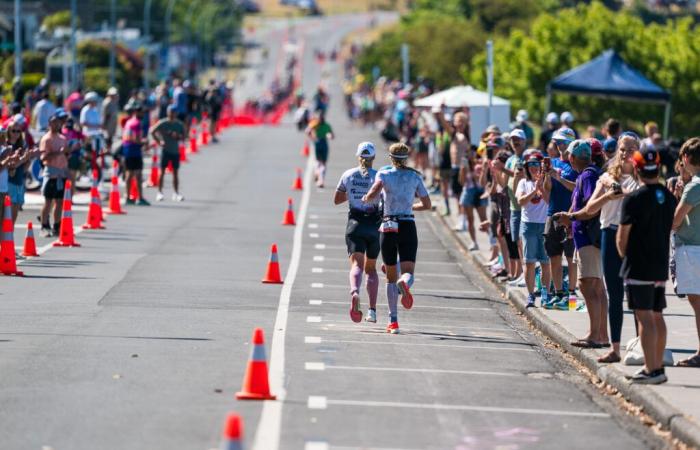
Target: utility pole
(113, 49)
(406, 62)
(18, 40)
(73, 43)
(166, 39)
(489, 75)
(147, 40)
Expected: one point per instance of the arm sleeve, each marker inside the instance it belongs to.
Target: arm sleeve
(341, 185)
(421, 191)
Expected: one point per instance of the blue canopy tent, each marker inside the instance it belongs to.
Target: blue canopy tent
(609, 76)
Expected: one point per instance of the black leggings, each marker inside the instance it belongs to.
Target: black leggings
(404, 243)
(613, 281)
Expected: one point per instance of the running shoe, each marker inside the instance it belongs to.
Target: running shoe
(160, 197)
(531, 301)
(406, 297)
(130, 201)
(393, 328)
(371, 315)
(45, 232)
(178, 198)
(474, 247)
(144, 202)
(644, 377)
(517, 281)
(562, 304)
(550, 302)
(355, 311)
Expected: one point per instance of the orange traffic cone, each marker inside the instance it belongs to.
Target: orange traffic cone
(288, 218)
(66, 237)
(298, 185)
(94, 217)
(8, 260)
(305, 151)
(233, 433)
(205, 133)
(29, 242)
(193, 148)
(255, 384)
(153, 180)
(134, 190)
(272, 276)
(115, 205)
(96, 185)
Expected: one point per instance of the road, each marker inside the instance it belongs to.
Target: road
(139, 339)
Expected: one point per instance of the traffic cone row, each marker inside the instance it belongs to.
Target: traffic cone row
(29, 242)
(153, 179)
(298, 184)
(288, 218)
(8, 260)
(66, 236)
(94, 217)
(305, 150)
(115, 204)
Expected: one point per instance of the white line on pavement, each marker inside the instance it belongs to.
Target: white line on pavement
(267, 436)
(439, 406)
(317, 285)
(320, 246)
(313, 225)
(319, 258)
(316, 402)
(413, 291)
(460, 308)
(313, 319)
(315, 302)
(319, 366)
(412, 344)
(317, 270)
(314, 235)
(316, 445)
(312, 340)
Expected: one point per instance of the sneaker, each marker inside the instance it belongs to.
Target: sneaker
(473, 247)
(56, 229)
(445, 212)
(144, 202)
(355, 311)
(406, 297)
(160, 197)
(644, 377)
(46, 232)
(393, 328)
(493, 262)
(178, 198)
(550, 302)
(515, 282)
(581, 307)
(130, 201)
(562, 304)
(460, 226)
(371, 315)
(531, 301)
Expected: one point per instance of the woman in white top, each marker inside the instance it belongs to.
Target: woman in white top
(610, 190)
(534, 201)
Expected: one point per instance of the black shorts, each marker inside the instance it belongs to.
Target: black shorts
(182, 117)
(134, 163)
(556, 242)
(513, 250)
(50, 189)
(455, 185)
(646, 297)
(404, 243)
(168, 158)
(74, 161)
(362, 236)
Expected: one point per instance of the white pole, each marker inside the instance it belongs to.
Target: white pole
(18, 40)
(489, 75)
(73, 44)
(147, 40)
(113, 48)
(667, 120)
(405, 59)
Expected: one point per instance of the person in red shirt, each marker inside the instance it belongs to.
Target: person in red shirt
(132, 143)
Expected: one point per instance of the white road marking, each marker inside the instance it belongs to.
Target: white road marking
(319, 366)
(412, 344)
(313, 319)
(317, 285)
(316, 445)
(315, 302)
(319, 258)
(313, 216)
(313, 225)
(312, 366)
(477, 408)
(421, 274)
(312, 340)
(319, 246)
(316, 402)
(267, 435)
(317, 270)
(420, 263)
(314, 235)
(463, 308)
(414, 291)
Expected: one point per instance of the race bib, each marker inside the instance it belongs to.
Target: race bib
(389, 226)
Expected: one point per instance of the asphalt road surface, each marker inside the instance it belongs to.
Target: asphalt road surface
(139, 339)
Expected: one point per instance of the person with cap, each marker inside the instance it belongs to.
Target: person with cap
(552, 124)
(586, 235)
(168, 133)
(180, 101)
(214, 101)
(76, 141)
(43, 110)
(521, 123)
(609, 149)
(110, 116)
(643, 243)
(91, 123)
(399, 185)
(362, 230)
(533, 199)
(54, 149)
(514, 172)
(320, 131)
(567, 120)
(74, 103)
(560, 184)
(20, 154)
(132, 148)
(686, 224)
(617, 182)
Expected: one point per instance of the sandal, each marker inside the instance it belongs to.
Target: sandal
(609, 358)
(586, 343)
(693, 361)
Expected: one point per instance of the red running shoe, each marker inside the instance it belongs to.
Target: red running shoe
(355, 311)
(406, 297)
(393, 328)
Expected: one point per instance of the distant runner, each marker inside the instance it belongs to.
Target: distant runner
(168, 133)
(362, 231)
(320, 131)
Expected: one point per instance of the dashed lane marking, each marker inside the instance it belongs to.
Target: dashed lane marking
(316, 445)
(319, 258)
(403, 343)
(317, 270)
(316, 402)
(319, 246)
(315, 302)
(312, 340)
(314, 235)
(444, 407)
(458, 308)
(317, 285)
(413, 291)
(313, 225)
(319, 366)
(313, 319)
(315, 366)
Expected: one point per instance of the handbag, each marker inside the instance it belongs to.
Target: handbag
(635, 356)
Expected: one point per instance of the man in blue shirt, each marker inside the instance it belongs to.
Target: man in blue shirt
(559, 182)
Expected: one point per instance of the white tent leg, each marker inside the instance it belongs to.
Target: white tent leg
(547, 107)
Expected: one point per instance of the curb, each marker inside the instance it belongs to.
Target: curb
(671, 418)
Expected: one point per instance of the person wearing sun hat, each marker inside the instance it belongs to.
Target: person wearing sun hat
(643, 241)
(552, 124)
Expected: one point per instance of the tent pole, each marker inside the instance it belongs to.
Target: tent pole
(667, 119)
(547, 106)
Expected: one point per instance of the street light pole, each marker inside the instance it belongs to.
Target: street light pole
(147, 39)
(18, 40)
(113, 49)
(73, 43)
(166, 39)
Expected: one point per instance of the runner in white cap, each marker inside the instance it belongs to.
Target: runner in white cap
(362, 231)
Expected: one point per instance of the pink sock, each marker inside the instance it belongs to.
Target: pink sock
(372, 288)
(355, 278)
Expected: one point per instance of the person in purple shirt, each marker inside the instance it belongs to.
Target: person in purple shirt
(586, 235)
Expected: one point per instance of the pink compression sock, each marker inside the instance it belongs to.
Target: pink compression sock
(355, 278)
(372, 288)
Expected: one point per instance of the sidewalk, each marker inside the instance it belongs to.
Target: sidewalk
(673, 404)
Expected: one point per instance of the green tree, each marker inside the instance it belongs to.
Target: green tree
(32, 62)
(57, 19)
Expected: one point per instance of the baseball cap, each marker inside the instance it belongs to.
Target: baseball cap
(59, 114)
(552, 118)
(518, 133)
(596, 146)
(171, 108)
(580, 149)
(497, 141)
(521, 116)
(647, 160)
(566, 117)
(532, 153)
(112, 91)
(564, 134)
(610, 145)
(365, 150)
